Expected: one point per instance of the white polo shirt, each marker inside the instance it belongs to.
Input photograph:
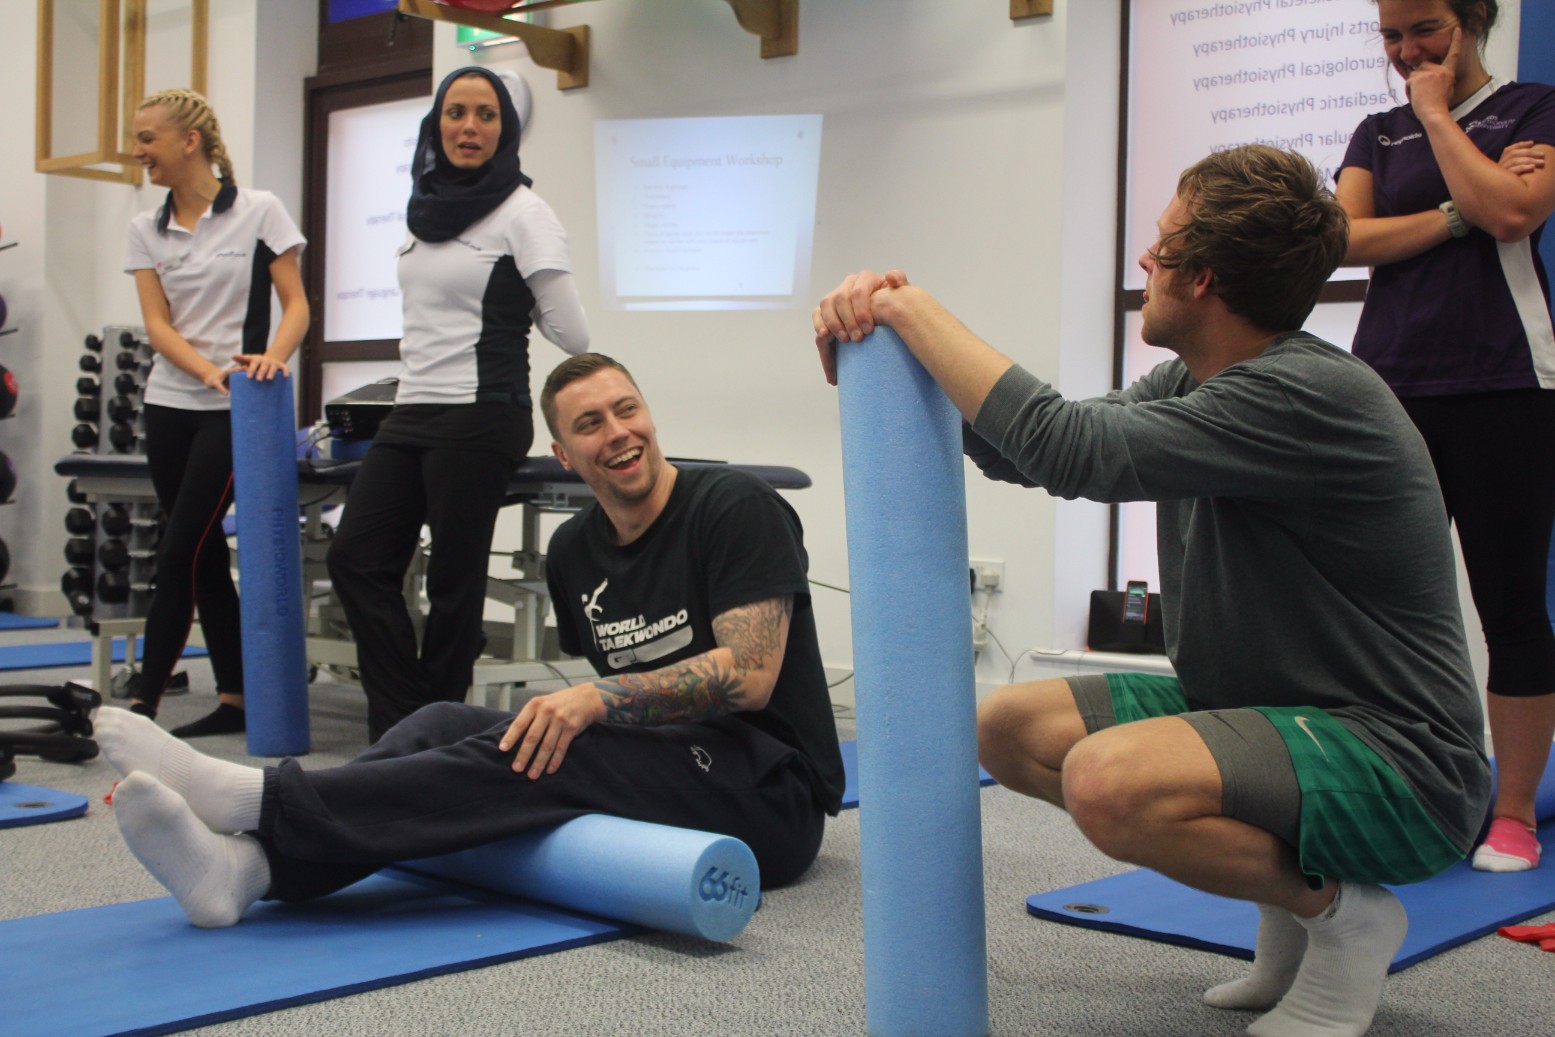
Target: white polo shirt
(467, 309)
(217, 282)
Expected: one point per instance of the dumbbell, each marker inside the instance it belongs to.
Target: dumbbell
(93, 343)
(127, 361)
(122, 435)
(86, 385)
(80, 522)
(80, 603)
(127, 340)
(80, 551)
(116, 520)
(86, 408)
(8, 391)
(121, 408)
(90, 363)
(7, 476)
(73, 492)
(5, 561)
(76, 581)
(114, 588)
(85, 436)
(111, 554)
(126, 384)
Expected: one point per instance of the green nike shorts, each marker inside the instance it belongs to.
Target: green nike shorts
(1296, 772)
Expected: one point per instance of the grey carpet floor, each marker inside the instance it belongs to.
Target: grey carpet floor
(798, 967)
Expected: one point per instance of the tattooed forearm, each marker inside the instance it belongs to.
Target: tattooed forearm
(750, 649)
(697, 689)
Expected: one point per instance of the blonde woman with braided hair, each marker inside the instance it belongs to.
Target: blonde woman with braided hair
(204, 263)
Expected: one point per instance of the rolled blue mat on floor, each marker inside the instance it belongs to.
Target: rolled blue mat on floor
(1447, 910)
(275, 664)
(675, 879)
(11, 621)
(65, 653)
(925, 951)
(148, 971)
(36, 805)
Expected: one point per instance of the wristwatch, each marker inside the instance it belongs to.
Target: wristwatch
(1455, 224)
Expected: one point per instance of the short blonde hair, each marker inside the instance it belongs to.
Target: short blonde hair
(189, 110)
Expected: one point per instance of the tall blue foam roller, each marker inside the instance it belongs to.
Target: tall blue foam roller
(676, 879)
(925, 952)
(275, 664)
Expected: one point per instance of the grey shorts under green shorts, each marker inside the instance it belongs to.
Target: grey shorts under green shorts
(1294, 771)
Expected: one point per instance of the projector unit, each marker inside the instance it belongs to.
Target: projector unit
(358, 413)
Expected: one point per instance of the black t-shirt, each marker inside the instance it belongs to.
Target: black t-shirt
(725, 539)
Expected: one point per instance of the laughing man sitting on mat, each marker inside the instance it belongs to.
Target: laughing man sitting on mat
(1323, 734)
(717, 719)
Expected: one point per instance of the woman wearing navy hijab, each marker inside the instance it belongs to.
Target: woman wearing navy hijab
(486, 259)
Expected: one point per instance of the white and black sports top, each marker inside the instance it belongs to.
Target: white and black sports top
(217, 282)
(468, 306)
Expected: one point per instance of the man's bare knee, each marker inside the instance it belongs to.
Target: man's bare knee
(1026, 726)
(1098, 792)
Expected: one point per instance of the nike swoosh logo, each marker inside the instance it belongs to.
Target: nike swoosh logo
(1302, 723)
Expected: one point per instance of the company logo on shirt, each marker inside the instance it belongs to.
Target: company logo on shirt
(1489, 122)
(1389, 142)
(231, 253)
(634, 640)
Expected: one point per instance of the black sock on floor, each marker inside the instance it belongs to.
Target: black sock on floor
(226, 719)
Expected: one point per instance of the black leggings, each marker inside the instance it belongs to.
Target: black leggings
(457, 492)
(1495, 458)
(190, 455)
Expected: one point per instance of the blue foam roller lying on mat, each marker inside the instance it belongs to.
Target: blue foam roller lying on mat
(275, 664)
(674, 879)
(925, 952)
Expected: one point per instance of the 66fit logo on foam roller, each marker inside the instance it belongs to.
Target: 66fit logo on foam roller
(722, 886)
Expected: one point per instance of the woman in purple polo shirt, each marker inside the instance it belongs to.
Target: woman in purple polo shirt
(204, 264)
(1447, 197)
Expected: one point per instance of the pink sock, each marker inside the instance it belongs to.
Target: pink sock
(1510, 846)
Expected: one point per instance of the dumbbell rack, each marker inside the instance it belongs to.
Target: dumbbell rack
(114, 532)
(5, 600)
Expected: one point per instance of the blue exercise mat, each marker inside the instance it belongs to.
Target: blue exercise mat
(850, 772)
(151, 972)
(1447, 910)
(11, 621)
(35, 805)
(1452, 908)
(65, 653)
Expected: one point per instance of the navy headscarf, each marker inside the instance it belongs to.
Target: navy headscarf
(445, 199)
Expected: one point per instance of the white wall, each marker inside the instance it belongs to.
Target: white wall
(65, 279)
(941, 154)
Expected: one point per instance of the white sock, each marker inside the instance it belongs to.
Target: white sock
(226, 796)
(1340, 980)
(1281, 943)
(213, 877)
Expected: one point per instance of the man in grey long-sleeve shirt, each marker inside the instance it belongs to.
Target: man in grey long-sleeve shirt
(1323, 733)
